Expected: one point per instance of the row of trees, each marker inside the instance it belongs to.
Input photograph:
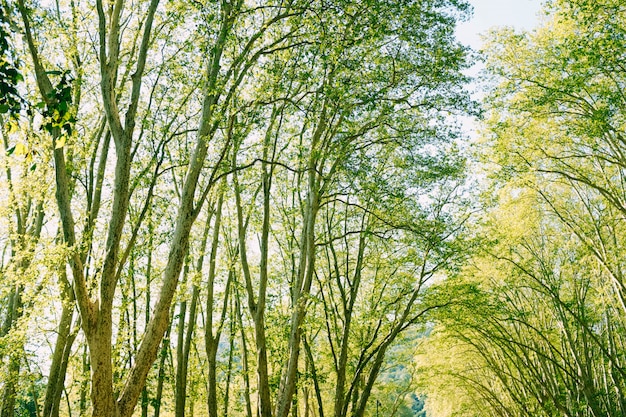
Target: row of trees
(230, 208)
(542, 330)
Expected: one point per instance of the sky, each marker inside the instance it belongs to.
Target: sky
(521, 14)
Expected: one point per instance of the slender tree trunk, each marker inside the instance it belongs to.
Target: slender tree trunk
(341, 405)
(184, 346)
(364, 397)
(257, 308)
(244, 357)
(304, 277)
(211, 339)
(231, 352)
(61, 349)
(145, 396)
(165, 347)
(294, 402)
(145, 401)
(84, 384)
(306, 402)
(60, 382)
(181, 366)
(15, 356)
(316, 384)
(299, 300)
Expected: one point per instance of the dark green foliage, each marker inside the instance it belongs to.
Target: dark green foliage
(58, 111)
(11, 101)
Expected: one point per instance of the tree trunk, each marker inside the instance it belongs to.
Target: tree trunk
(316, 384)
(102, 398)
(211, 340)
(165, 347)
(300, 291)
(231, 352)
(15, 356)
(185, 340)
(84, 384)
(62, 349)
(244, 354)
(181, 365)
(341, 405)
(301, 288)
(9, 392)
(257, 309)
(67, 349)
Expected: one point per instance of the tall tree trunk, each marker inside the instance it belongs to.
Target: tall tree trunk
(186, 341)
(364, 396)
(341, 405)
(244, 355)
(300, 291)
(165, 347)
(211, 339)
(257, 308)
(15, 356)
(60, 381)
(231, 352)
(316, 383)
(61, 352)
(301, 288)
(181, 366)
(145, 396)
(102, 396)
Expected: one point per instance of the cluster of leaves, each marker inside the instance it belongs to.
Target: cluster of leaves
(10, 100)
(58, 112)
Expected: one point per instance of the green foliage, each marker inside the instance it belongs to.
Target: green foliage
(326, 126)
(540, 332)
(11, 101)
(57, 110)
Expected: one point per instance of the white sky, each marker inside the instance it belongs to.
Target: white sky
(521, 14)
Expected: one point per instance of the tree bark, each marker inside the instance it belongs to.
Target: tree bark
(62, 349)
(244, 354)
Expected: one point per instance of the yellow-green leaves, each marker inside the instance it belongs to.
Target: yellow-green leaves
(20, 149)
(60, 142)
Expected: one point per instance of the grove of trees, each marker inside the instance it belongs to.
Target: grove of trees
(269, 208)
(539, 327)
(226, 207)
